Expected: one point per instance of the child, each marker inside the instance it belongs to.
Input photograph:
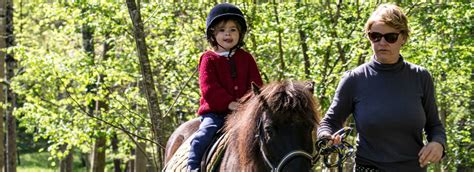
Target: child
(225, 75)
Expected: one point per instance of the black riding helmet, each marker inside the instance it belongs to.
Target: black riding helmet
(225, 11)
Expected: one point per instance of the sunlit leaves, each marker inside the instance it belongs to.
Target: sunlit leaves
(54, 71)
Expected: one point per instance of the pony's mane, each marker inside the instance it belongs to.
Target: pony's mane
(287, 102)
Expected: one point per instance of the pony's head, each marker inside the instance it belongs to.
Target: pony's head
(273, 122)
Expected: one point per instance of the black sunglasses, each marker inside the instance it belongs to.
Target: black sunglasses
(389, 37)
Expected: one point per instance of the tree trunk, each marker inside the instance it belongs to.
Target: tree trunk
(324, 72)
(148, 81)
(88, 45)
(140, 157)
(98, 151)
(66, 162)
(117, 161)
(103, 105)
(304, 48)
(11, 125)
(85, 160)
(335, 20)
(3, 45)
(98, 154)
(98, 160)
(11, 97)
(280, 45)
(131, 164)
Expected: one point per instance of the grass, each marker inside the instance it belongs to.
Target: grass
(38, 162)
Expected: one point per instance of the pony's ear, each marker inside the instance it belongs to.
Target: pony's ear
(255, 88)
(310, 86)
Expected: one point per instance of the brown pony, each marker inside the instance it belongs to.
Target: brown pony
(270, 131)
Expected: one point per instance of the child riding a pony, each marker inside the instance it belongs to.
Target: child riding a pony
(225, 74)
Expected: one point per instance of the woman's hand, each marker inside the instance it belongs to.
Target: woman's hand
(331, 139)
(432, 152)
(233, 105)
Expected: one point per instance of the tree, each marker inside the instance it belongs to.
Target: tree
(3, 47)
(11, 96)
(148, 81)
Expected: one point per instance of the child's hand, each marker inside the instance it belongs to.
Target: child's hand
(233, 105)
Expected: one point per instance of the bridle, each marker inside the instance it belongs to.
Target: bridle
(344, 150)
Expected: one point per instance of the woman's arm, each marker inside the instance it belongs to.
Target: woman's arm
(341, 107)
(436, 134)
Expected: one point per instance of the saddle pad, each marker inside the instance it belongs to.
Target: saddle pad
(179, 161)
(216, 153)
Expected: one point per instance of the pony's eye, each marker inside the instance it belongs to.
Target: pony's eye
(268, 128)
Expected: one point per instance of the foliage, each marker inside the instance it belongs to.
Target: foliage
(34, 162)
(54, 71)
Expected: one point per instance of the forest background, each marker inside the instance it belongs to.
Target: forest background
(74, 86)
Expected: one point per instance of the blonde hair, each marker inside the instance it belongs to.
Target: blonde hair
(391, 15)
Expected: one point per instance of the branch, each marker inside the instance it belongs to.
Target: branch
(119, 127)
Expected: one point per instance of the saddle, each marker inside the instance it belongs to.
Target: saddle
(210, 161)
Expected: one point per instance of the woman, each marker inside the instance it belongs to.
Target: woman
(391, 100)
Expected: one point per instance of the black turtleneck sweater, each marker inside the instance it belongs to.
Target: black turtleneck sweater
(393, 105)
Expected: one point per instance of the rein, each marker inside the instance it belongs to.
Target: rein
(344, 151)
